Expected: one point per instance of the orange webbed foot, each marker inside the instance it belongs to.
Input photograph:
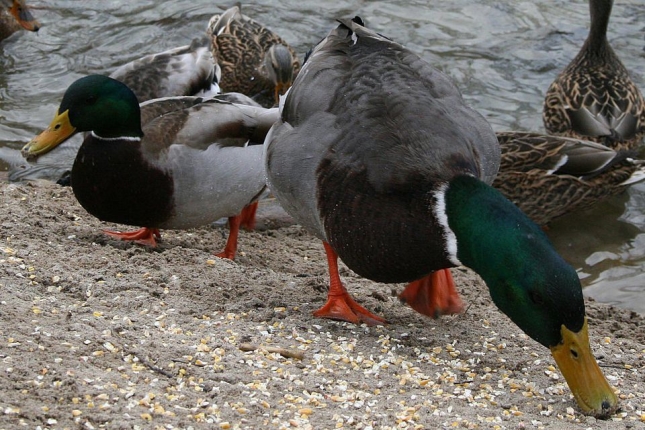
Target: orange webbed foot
(143, 236)
(340, 305)
(433, 295)
(343, 308)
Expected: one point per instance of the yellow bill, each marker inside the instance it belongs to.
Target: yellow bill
(58, 131)
(585, 379)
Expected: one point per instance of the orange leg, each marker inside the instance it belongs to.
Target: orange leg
(433, 295)
(143, 236)
(247, 216)
(231, 243)
(340, 305)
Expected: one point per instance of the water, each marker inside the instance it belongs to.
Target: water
(502, 55)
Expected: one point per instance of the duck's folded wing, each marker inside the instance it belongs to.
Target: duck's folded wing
(198, 123)
(182, 71)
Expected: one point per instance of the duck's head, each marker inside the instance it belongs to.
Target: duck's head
(528, 281)
(95, 103)
(278, 64)
(19, 10)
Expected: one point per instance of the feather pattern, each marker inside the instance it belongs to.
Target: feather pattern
(594, 98)
(254, 60)
(550, 176)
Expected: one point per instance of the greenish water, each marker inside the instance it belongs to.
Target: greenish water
(502, 55)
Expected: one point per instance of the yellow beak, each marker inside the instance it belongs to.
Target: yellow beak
(579, 368)
(58, 131)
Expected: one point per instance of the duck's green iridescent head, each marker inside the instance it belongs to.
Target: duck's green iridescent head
(529, 282)
(95, 103)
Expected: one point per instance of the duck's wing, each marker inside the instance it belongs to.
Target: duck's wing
(182, 71)
(355, 60)
(598, 103)
(548, 176)
(524, 151)
(197, 123)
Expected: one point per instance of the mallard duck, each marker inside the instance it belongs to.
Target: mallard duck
(15, 15)
(185, 71)
(594, 98)
(254, 60)
(172, 163)
(549, 176)
(377, 154)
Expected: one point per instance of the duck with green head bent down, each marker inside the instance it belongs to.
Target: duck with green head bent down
(171, 163)
(377, 154)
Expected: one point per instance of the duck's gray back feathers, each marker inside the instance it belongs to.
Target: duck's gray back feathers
(365, 104)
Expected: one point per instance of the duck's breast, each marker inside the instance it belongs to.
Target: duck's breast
(113, 182)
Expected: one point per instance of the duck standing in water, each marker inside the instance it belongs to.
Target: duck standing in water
(594, 98)
(377, 154)
(171, 163)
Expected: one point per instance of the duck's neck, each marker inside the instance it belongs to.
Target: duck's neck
(596, 44)
(485, 225)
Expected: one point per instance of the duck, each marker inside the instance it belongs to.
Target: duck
(376, 153)
(254, 60)
(15, 15)
(187, 70)
(594, 98)
(549, 176)
(170, 163)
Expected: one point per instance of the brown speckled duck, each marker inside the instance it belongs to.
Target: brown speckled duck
(254, 60)
(377, 154)
(15, 15)
(549, 176)
(594, 98)
(171, 163)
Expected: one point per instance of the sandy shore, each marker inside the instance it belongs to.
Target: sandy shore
(99, 333)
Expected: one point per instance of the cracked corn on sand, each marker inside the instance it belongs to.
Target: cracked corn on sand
(96, 333)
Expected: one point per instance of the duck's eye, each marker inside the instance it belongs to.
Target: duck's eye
(90, 100)
(536, 297)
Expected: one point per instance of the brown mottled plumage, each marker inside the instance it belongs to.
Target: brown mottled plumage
(549, 176)
(254, 60)
(594, 98)
(14, 15)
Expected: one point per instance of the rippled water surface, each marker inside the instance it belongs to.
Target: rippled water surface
(502, 55)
